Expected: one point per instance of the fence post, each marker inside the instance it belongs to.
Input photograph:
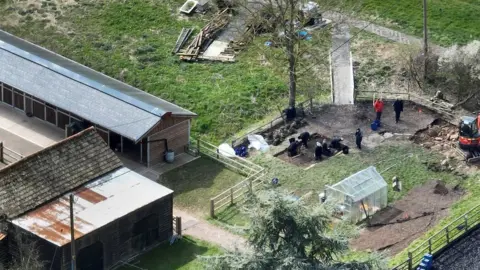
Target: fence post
(251, 185)
(466, 222)
(198, 146)
(1, 151)
(410, 265)
(448, 236)
(212, 208)
(217, 153)
(430, 246)
(231, 196)
(178, 223)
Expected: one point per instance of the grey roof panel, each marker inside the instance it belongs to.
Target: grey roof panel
(80, 99)
(90, 77)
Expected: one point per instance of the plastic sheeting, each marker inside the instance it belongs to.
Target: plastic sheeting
(364, 191)
(257, 142)
(226, 150)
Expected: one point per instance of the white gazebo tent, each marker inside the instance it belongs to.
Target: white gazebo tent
(362, 193)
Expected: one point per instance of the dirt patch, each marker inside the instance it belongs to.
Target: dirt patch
(395, 227)
(306, 156)
(343, 120)
(45, 11)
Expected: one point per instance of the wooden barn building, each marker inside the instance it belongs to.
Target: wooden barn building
(117, 212)
(73, 97)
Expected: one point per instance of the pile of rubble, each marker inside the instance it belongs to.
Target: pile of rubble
(438, 137)
(276, 137)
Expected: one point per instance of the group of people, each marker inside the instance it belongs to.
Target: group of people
(378, 107)
(292, 149)
(323, 149)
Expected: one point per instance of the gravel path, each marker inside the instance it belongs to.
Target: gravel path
(205, 231)
(464, 254)
(378, 30)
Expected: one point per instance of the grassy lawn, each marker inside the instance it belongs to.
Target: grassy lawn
(182, 255)
(449, 21)
(410, 170)
(196, 182)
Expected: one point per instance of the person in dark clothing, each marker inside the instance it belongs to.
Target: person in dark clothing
(336, 143)
(398, 108)
(325, 149)
(318, 151)
(304, 138)
(292, 149)
(358, 138)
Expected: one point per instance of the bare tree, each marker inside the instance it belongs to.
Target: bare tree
(282, 21)
(454, 71)
(26, 253)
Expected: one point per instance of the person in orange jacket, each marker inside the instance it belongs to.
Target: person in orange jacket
(378, 106)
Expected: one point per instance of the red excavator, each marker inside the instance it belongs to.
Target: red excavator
(469, 138)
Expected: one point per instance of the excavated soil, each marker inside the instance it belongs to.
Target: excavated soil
(395, 227)
(306, 156)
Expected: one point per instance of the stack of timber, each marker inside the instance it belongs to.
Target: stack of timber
(182, 38)
(205, 37)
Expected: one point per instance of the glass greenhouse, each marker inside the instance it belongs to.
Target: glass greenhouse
(362, 193)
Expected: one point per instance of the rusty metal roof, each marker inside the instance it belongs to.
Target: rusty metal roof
(96, 204)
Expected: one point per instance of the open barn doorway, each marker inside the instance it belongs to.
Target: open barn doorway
(91, 257)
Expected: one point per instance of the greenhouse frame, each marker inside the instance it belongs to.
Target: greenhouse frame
(358, 195)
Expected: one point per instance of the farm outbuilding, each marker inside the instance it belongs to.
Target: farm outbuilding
(118, 213)
(358, 195)
(73, 97)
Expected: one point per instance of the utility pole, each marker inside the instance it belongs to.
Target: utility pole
(72, 233)
(425, 45)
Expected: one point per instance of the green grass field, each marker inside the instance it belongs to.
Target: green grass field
(449, 21)
(198, 181)
(403, 160)
(182, 255)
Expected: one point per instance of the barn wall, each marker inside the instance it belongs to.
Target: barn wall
(118, 238)
(49, 254)
(177, 137)
(167, 122)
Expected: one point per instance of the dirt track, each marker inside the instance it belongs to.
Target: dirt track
(417, 212)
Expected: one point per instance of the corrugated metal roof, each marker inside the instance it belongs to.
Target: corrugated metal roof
(90, 94)
(96, 204)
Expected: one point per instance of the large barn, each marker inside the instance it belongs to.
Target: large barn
(72, 97)
(117, 212)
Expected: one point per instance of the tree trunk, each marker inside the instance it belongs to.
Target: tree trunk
(291, 38)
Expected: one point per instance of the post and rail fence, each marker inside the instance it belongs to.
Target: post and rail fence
(8, 156)
(253, 174)
(177, 225)
(442, 239)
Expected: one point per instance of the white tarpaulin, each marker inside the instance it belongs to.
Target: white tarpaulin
(258, 142)
(226, 150)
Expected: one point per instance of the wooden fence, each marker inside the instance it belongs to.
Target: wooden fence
(177, 225)
(272, 123)
(441, 240)
(8, 156)
(237, 164)
(236, 193)
(253, 174)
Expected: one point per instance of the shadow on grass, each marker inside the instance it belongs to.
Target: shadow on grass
(232, 215)
(198, 181)
(181, 255)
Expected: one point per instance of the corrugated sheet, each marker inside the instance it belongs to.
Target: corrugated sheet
(79, 89)
(96, 204)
